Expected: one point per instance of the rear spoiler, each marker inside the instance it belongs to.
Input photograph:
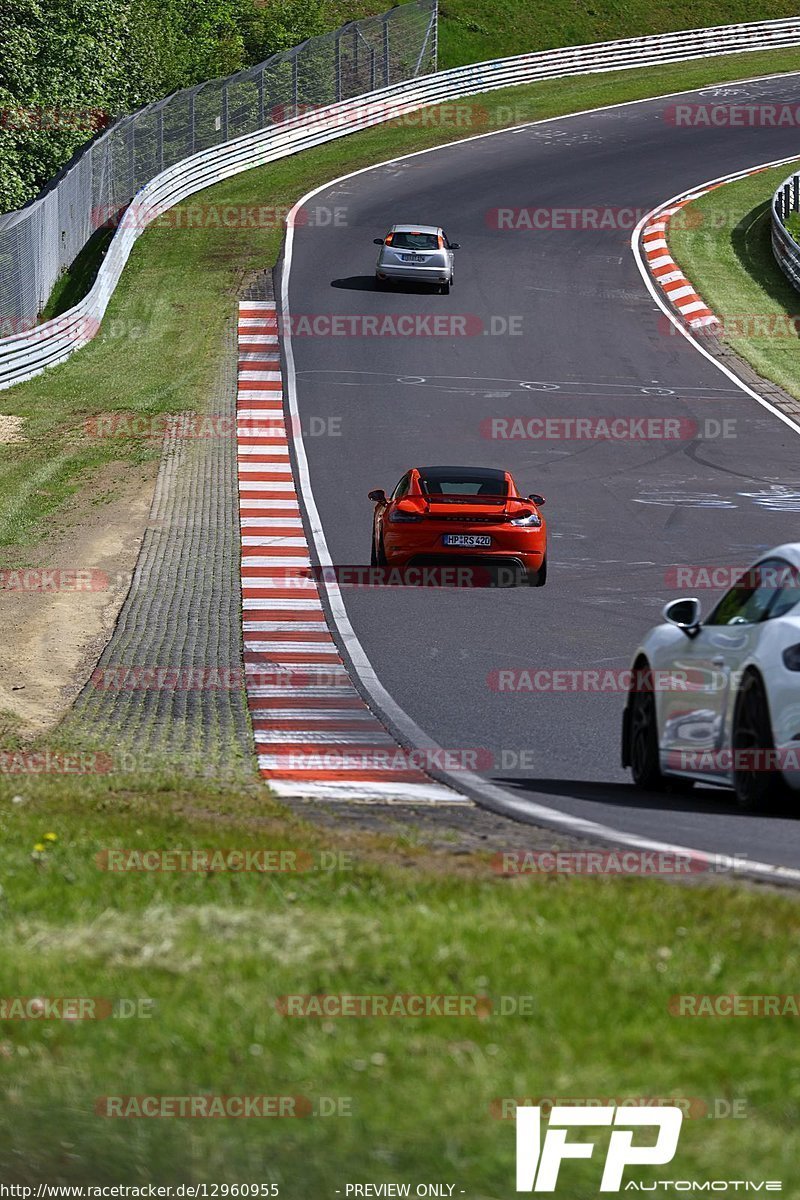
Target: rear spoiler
(434, 499)
(521, 504)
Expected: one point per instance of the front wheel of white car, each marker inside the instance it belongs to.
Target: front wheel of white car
(643, 745)
(756, 781)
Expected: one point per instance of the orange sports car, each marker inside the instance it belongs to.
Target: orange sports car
(438, 515)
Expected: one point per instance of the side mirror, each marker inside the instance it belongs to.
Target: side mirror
(685, 614)
(378, 241)
(455, 245)
(378, 495)
(537, 499)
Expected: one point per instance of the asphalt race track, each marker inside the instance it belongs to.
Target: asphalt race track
(593, 344)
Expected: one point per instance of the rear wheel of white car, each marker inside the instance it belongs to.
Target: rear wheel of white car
(643, 748)
(754, 782)
(444, 288)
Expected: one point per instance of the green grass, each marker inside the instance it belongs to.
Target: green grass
(596, 961)
(792, 225)
(163, 335)
(724, 248)
(473, 30)
(73, 285)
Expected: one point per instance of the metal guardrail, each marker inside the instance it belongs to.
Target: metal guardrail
(785, 249)
(27, 354)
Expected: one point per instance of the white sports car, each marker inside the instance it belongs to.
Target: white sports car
(718, 700)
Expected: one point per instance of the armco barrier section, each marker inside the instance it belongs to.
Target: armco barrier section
(785, 249)
(25, 355)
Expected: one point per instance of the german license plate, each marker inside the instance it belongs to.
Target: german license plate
(468, 540)
(413, 257)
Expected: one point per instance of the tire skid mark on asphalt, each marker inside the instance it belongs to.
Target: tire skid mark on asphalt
(315, 735)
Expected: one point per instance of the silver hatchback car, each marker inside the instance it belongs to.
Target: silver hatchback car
(418, 253)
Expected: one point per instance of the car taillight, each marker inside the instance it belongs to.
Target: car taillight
(400, 515)
(791, 658)
(531, 519)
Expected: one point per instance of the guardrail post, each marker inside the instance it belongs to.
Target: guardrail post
(430, 30)
(435, 19)
(191, 122)
(372, 65)
(161, 139)
(295, 86)
(786, 197)
(132, 157)
(338, 65)
(386, 70)
(261, 115)
(224, 112)
(796, 192)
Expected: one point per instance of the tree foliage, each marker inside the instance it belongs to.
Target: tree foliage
(69, 67)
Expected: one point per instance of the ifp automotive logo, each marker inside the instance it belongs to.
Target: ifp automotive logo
(539, 1161)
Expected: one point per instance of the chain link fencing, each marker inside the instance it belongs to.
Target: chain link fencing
(41, 240)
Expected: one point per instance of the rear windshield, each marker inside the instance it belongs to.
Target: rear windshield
(413, 241)
(462, 485)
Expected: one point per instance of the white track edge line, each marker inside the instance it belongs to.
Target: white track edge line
(655, 292)
(473, 786)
